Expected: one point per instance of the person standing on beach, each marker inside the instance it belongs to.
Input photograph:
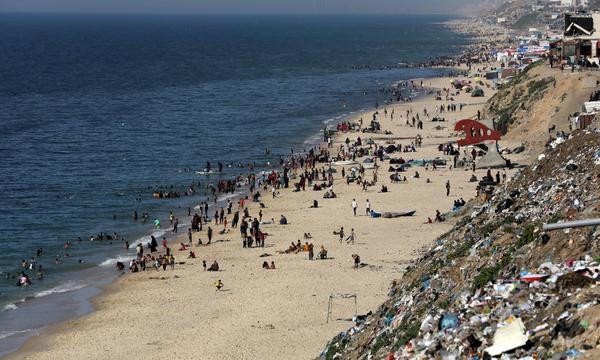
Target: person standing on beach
(190, 236)
(448, 188)
(236, 219)
(139, 250)
(341, 234)
(209, 234)
(354, 205)
(255, 231)
(351, 237)
(368, 208)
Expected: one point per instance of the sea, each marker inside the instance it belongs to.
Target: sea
(99, 111)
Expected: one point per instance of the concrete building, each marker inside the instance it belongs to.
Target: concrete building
(581, 37)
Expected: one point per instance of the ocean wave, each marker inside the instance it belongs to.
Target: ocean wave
(62, 288)
(113, 261)
(144, 240)
(5, 334)
(313, 140)
(9, 307)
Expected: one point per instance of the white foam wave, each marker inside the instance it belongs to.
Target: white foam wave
(9, 307)
(146, 239)
(62, 288)
(5, 334)
(113, 261)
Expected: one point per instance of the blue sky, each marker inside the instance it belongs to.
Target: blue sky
(236, 6)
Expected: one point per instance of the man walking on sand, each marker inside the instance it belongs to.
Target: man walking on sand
(354, 205)
(351, 237)
(448, 188)
(368, 208)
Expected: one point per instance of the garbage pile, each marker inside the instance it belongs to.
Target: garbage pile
(497, 286)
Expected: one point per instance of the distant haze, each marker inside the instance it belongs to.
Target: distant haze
(238, 6)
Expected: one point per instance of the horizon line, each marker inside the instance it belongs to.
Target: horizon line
(51, 12)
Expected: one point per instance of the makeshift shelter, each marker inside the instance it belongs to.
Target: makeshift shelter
(580, 36)
(491, 75)
(591, 106)
(477, 92)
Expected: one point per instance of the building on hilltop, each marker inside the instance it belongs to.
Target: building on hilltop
(581, 39)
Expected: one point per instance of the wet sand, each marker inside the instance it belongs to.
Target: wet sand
(278, 314)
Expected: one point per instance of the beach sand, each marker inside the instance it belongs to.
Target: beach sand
(277, 314)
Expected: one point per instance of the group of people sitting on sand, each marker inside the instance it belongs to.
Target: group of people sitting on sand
(297, 247)
(458, 203)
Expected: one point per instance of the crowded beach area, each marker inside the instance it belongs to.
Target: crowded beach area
(313, 244)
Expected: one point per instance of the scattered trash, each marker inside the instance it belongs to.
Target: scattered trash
(508, 337)
(498, 269)
(448, 321)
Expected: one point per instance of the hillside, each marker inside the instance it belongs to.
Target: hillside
(497, 278)
(538, 99)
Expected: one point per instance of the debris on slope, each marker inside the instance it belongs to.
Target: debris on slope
(497, 285)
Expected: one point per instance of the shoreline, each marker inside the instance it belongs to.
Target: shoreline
(120, 286)
(91, 293)
(95, 285)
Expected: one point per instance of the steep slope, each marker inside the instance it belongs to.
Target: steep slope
(538, 99)
(497, 270)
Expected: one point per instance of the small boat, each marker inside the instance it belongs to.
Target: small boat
(390, 214)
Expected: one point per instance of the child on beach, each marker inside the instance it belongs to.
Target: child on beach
(219, 285)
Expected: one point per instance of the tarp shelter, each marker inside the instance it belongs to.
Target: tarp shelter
(490, 75)
(582, 121)
(477, 92)
(506, 72)
(340, 296)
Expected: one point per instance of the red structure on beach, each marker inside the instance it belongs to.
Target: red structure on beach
(475, 132)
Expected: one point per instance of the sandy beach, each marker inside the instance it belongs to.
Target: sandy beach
(280, 314)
